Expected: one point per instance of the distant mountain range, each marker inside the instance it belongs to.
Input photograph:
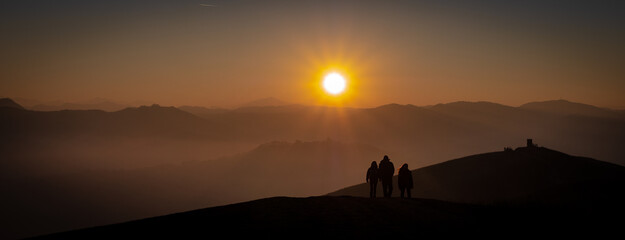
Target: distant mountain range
(420, 136)
(112, 106)
(92, 104)
(564, 107)
(97, 167)
(208, 112)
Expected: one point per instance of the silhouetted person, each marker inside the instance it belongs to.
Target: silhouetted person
(404, 180)
(385, 172)
(372, 179)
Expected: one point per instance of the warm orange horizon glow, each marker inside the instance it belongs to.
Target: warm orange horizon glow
(184, 54)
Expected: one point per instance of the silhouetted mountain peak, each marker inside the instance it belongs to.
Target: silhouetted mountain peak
(156, 110)
(397, 107)
(7, 102)
(153, 107)
(565, 107)
(390, 105)
(464, 109)
(471, 104)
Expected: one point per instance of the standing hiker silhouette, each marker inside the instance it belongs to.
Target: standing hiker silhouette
(372, 179)
(404, 180)
(385, 172)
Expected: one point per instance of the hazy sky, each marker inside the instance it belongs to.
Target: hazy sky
(224, 53)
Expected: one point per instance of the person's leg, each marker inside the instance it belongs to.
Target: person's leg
(371, 189)
(390, 187)
(408, 189)
(401, 190)
(375, 188)
(384, 188)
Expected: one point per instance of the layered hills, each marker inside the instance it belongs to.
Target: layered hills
(95, 167)
(420, 136)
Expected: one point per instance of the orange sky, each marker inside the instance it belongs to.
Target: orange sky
(232, 52)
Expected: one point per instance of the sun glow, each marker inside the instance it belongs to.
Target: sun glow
(334, 83)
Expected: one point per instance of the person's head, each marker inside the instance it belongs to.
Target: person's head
(405, 166)
(374, 164)
(386, 158)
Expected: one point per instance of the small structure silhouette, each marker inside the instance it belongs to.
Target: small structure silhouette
(385, 172)
(531, 147)
(404, 180)
(372, 179)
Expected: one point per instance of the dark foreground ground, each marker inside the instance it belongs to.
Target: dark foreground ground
(332, 217)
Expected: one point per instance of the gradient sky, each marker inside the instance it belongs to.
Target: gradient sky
(227, 52)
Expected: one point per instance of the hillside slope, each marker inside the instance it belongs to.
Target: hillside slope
(332, 217)
(538, 175)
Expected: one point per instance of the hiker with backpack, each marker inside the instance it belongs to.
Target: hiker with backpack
(404, 180)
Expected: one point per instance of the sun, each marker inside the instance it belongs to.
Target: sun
(334, 83)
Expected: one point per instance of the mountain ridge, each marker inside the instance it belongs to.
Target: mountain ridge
(9, 103)
(425, 135)
(509, 176)
(565, 107)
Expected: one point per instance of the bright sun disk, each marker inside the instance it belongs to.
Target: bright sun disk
(334, 83)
